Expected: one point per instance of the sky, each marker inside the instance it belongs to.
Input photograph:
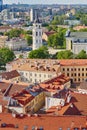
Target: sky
(45, 1)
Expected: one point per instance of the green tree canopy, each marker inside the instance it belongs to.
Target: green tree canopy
(40, 53)
(82, 55)
(2, 64)
(6, 54)
(56, 40)
(29, 39)
(64, 55)
(58, 19)
(14, 33)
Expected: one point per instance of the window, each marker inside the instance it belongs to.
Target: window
(82, 69)
(71, 69)
(39, 75)
(82, 74)
(86, 74)
(30, 74)
(39, 33)
(75, 74)
(78, 79)
(35, 80)
(60, 128)
(67, 74)
(83, 128)
(86, 69)
(35, 74)
(63, 69)
(39, 26)
(39, 41)
(76, 128)
(26, 74)
(75, 79)
(71, 74)
(36, 41)
(78, 69)
(67, 69)
(36, 33)
(48, 76)
(40, 80)
(68, 128)
(44, 76)
(30, 80)
(75, 69)
(78, 74)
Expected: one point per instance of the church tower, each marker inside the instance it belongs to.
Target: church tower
(37, 34)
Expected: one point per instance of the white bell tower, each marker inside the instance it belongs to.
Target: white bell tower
(37, 34)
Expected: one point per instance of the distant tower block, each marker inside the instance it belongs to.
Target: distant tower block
(1, 5)
(37, 34)
(34, 13)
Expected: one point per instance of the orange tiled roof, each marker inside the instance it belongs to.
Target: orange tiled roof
(73, 62)
(39, 65)
(47, 122)
(55, 83)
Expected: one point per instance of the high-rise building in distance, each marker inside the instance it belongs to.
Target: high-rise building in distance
(34, 13)
(1, 5)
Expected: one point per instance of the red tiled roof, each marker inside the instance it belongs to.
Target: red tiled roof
(55, 83)
(47, 122)
(3, 86)
(73, 62)
(49, 33)
(23, 97)
(65, 110)
(10, 75)
(80, 101)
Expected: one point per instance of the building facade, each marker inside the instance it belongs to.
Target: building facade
(16, 44)
(76, 41)
(37, 35)
(76, 69)
(35, 70)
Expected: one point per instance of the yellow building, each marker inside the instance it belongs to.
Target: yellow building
(46, 35)
(30, 100)
(3, 40)
(76, 69)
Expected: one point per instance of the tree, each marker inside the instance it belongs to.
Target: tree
(2, 64)
(58, 19)
(56, 40)
(14, 33)
(64, 55)
(50, 40)
(82, 55)
(7, 54)
(40, 53)
(29, 39)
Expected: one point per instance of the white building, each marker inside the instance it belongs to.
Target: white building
(50, 101)
(32, 70)
(76, 41)
(16, 44)
(37, 35)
